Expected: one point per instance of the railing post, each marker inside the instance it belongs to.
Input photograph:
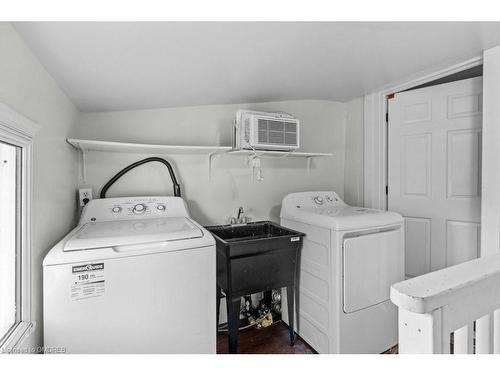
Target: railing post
(434, 305)
(496, 331)
(422, 333)
(463, 340)
(484, 338)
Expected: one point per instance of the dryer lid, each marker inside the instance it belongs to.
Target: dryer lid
(132, 232)
(325, 209)
(343, 218)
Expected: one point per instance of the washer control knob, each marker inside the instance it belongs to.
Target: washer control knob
(318, 200)
(329, 198)
(139, 208)
(161, 207)
(116, 209)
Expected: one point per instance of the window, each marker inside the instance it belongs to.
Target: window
(9, 237)
(16, 136)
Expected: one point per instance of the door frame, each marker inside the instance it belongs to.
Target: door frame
(375, 131)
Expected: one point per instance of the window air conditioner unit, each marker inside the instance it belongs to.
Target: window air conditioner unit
(266, 131)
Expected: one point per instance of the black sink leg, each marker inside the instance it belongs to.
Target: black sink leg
(290, 302)
(218, 294)
(268, 298)
(233, 322)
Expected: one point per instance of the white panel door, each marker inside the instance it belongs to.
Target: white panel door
(434, 166)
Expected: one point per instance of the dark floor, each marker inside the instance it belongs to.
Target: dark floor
(270, 340)
(393, 350)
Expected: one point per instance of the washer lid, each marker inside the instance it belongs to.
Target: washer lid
(132, 232)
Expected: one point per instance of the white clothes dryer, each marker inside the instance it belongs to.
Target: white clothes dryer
(350, 258)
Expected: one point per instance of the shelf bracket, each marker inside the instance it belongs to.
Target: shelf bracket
(84, 166)
(209, 166)
(308, 161)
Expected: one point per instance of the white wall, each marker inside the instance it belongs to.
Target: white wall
(490, 193)
(26, 87)
(353, 169)
(323, 130)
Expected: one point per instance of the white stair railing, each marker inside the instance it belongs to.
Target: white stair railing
(450, 310)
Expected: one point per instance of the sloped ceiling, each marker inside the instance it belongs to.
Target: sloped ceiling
(124, 66)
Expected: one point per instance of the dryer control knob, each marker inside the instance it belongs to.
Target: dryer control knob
(318, 200)
(116, 209)
(139, 208)
(160, 207)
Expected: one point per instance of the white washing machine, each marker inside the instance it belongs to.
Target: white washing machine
(350, 258)
(136, 275)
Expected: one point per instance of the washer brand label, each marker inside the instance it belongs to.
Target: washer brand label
(294, 239)
(87, 281)
(88, 267)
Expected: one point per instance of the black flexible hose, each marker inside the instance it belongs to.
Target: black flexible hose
(177, 188)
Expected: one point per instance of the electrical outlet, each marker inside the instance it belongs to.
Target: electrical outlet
(84, 196)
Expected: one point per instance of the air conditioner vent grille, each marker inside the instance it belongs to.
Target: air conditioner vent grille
(277, 132)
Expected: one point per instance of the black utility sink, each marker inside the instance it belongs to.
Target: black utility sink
(241, 232)
(260, 230)
(252, 258)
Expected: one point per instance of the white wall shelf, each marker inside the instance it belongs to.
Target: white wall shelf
(282, 154)
(86, 145)
(278, 154)
(143, 148)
